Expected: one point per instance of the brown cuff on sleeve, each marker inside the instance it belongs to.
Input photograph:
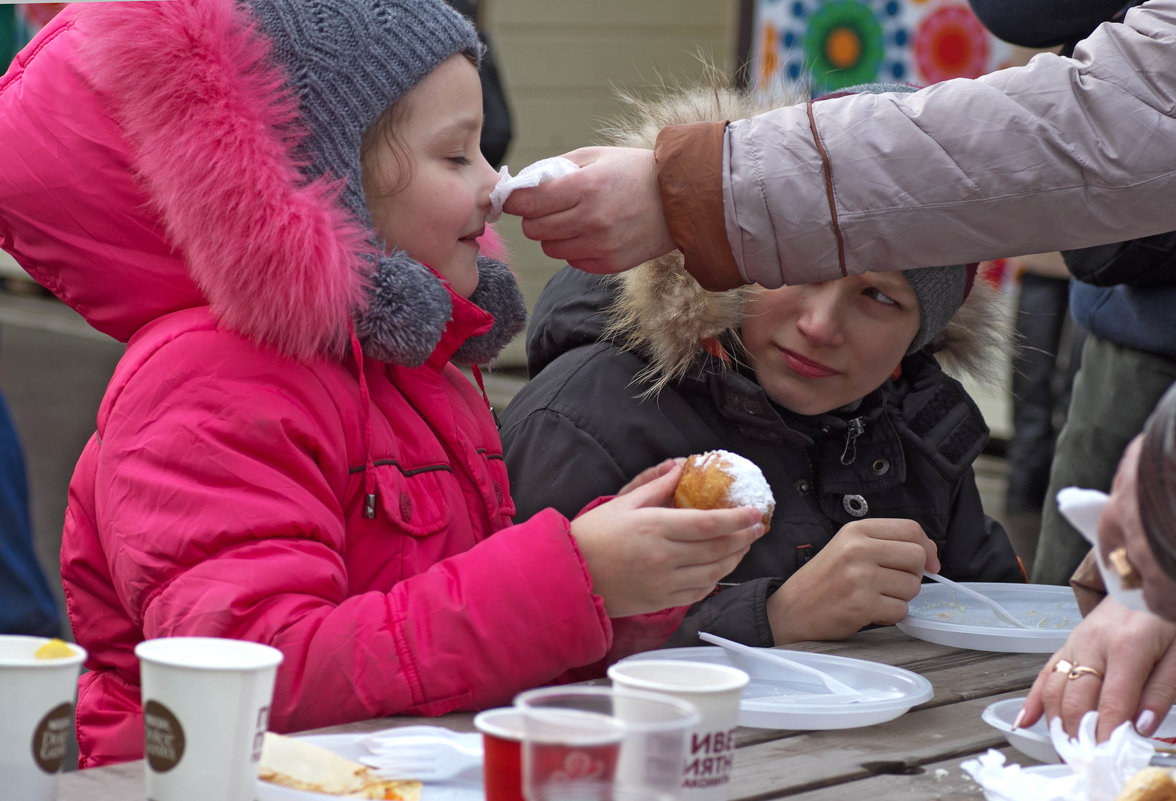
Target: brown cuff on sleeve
(690, 180)
(1087, 584)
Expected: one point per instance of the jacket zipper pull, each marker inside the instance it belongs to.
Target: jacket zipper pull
(855, 429)
(369, 506)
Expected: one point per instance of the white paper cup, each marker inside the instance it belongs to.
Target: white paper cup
(715, 690)
(206, 707)
(36, 716)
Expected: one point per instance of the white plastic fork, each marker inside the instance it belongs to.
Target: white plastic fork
(997, 609)
(835, 687)
(424, 757)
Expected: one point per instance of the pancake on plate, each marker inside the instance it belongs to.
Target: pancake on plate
(291, 762)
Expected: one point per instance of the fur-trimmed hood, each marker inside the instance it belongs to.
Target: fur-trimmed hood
(660, 310)
(151, 165)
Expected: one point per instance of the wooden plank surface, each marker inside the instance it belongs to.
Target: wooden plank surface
(940, 781)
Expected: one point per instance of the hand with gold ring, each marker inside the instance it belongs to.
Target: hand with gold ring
(1118, 661)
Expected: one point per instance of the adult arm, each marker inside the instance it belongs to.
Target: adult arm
(1044, 157)
(1026, 160)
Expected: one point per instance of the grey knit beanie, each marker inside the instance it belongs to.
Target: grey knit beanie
(346, 61)
(940, 290)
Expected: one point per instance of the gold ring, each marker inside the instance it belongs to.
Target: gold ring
(1128, 575)
(1063, 666)
(1081, 670)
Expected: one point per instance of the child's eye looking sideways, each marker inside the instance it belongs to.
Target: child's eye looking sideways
(881, 297)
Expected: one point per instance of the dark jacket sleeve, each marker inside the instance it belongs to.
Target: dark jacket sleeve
(738, 613)
(1146, 262)
(1044, 23)
(977, 547)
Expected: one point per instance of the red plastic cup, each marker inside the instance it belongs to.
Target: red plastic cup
(502, 761)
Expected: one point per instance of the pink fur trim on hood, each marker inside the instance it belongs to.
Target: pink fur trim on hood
(210, 126)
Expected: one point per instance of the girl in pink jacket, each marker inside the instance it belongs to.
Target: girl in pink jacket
(278, 204)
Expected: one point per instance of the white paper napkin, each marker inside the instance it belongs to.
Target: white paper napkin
(531, 175)
(1098, 771)
(1083, 508)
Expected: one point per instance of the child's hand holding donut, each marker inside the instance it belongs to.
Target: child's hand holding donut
(645, 557)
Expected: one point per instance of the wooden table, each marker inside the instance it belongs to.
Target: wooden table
(915, 757)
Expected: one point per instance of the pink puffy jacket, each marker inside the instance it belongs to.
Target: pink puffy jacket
(223, 492)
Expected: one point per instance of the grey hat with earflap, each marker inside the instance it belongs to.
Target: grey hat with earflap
(346, 61)
(940, 290)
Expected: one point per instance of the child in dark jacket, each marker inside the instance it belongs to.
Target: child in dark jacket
(831, 388)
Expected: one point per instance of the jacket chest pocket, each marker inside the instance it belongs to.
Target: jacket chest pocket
(418, 502)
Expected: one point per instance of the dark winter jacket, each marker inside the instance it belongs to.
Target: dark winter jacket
(582, 427)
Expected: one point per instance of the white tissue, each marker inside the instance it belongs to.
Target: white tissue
(531, 175)
(1083, 508)
(1105, 767)
(1098, 771)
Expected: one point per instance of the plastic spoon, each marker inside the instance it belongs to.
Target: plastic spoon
(998, 610)
(834, 686)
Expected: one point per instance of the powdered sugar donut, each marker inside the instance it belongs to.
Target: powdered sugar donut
(723, 480)
(1150, 784)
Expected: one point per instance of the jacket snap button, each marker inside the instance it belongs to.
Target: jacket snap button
(856, 505)
(880, 467)
(802, 486)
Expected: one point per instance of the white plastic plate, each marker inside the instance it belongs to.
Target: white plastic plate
(779, 698)
(1033, 741)
(939, 614)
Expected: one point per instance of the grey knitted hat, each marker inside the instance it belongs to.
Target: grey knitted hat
(940, 290)
(346, 61)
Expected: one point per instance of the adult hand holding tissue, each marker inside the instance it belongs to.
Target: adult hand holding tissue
(531, 175)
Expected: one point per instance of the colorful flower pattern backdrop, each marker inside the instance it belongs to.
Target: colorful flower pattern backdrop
(839, 43)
